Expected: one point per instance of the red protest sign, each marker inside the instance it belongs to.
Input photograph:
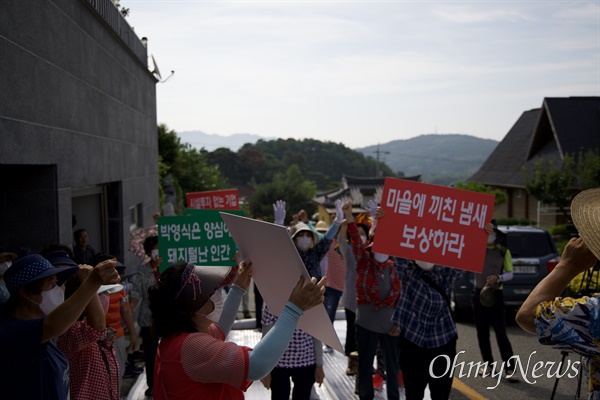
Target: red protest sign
(434, 223)
(214, 200)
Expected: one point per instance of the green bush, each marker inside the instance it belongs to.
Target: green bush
(563, 230)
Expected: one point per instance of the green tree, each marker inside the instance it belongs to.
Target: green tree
(481, 188)
(194, 172)
(289, 186)
(229, 164)
(188, 167)
(551, 181)
(588, 169)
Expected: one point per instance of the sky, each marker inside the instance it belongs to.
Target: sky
(365, 72)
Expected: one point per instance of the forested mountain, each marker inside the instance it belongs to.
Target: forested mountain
(440, 159)
(321, 162)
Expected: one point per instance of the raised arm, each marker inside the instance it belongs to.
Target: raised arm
(234, 298)
(575, 259)
(59, 320)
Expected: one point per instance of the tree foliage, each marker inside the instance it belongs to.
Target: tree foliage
(289, 186)
(588, 169)
(321, 162)
(189, 168)
(551, 181)
(481, 188)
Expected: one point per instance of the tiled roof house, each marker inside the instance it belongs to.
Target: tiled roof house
(357, 189)
(561, 126)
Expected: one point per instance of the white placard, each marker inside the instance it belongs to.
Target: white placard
(276, 268)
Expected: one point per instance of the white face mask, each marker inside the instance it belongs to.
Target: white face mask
(425, 265)
(380, 257)
(304, 243)
(363, 239)
(492, 238)
(4, 266)
(154, 254)
(217, 300)
(51, 299)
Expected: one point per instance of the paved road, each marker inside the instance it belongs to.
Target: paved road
(467, 386)
(527, 348)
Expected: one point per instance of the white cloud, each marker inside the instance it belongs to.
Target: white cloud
(579, 12)
(335, 70)
(470, 15)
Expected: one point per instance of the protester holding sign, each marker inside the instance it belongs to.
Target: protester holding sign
(426, 326)
(377, 293)
(302, 361)
(193, 360)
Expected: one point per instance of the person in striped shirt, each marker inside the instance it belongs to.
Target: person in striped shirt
(193, 360)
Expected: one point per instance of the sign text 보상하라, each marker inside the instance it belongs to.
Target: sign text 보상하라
(434, 223)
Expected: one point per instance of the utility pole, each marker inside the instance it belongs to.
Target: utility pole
(377, 162)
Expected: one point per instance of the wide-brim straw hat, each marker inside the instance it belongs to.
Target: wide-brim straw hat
(585, 212)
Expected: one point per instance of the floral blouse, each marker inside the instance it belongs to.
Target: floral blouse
(574, 325)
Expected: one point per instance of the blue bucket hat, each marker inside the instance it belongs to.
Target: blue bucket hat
(60, 258)
(32, 268)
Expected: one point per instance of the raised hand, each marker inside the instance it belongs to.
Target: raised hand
(339, 212)
(577, 257)
(371, 208)
(306, 295)
(105, 273)
(244, 275)
(279, 212)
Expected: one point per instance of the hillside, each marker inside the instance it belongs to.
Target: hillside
(440, 159)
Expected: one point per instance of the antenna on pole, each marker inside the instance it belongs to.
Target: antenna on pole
(377, 172)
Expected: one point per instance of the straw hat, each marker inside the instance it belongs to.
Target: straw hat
(322, 226)
(585, 211)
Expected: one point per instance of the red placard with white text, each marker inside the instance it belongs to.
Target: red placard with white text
(214, 200)
(434, 224)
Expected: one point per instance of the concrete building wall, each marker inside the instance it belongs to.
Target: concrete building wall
(77, 97)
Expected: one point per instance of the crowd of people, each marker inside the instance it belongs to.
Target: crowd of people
(65, 314)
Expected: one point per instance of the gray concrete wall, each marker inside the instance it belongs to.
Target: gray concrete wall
(75, 96)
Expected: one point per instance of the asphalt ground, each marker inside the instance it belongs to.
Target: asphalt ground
(466, 385)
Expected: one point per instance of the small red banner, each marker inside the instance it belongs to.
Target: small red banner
(214, 200)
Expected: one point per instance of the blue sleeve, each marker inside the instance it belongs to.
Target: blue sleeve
(332, 231)
(230, 308)
(268, 351)
(312, 228)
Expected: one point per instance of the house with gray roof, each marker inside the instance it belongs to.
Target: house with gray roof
(561, 126)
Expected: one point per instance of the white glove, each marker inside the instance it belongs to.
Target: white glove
(339, 213)
(279, 211)
(371, 208)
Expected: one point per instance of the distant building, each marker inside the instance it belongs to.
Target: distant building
(79, 144)
(561, 126)
(359, 190)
